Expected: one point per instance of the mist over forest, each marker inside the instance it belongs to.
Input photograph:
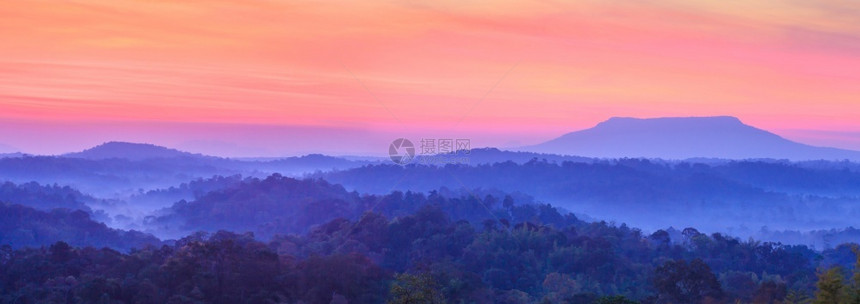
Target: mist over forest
(430, 152)
(507, 227)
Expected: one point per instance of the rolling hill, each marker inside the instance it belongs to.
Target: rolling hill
(130, 151)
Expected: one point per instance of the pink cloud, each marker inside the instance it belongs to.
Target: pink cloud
(539, 68)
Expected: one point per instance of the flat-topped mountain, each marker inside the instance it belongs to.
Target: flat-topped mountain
(682, 138)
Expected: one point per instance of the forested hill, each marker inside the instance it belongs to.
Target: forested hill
(316, 242)
(550, 258)
(651, 194)
(22, 226)
(44, 197)
(282, 205)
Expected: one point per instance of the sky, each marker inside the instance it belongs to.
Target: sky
(273, 77)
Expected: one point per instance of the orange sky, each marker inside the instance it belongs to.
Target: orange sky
(530, 69)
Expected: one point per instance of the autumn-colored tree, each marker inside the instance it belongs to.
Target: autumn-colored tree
(831, 287)
(680, 282)
(615, 300)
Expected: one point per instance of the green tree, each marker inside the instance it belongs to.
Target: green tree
(415, 289)
(797, 297)
(831, 288)
(854, 290)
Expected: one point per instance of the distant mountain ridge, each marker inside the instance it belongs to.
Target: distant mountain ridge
(683, 138)
(11, 155)
(7, 149)
(120, 168)
(130, 151)
(479, 156)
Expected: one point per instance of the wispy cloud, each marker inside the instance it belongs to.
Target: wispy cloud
(776, 64)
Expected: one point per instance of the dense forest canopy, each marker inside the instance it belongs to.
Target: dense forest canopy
(320, 243)
(433, 234)
(740, 197)
(550, 258)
